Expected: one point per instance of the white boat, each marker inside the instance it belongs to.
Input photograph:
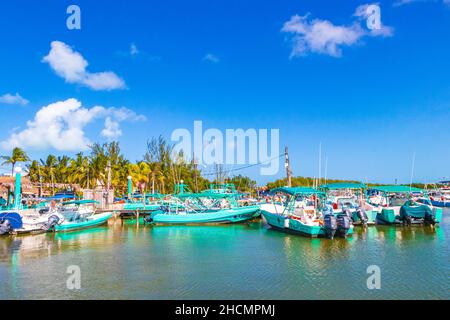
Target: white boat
(29, 221)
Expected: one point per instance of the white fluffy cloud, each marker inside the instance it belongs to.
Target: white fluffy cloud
(61, 125)
(8, 98)
(71, 66)
(324, 37)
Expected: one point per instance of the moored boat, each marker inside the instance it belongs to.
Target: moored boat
(302, 210)
(212, 206)
(80, 214)
(350, 198)
(398, 205)
(439, 198)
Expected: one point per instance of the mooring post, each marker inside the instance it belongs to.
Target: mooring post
(130, 187)
(17, 191)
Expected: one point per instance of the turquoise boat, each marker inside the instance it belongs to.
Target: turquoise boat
(397, 205)
(80, 214)
(351, 198)
(234, 215)
(302, 211)
(213, 206)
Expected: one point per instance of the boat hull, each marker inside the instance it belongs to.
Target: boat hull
(222, 216)
(371, 218)
(441, 204)
(287, 225)
(93, 221)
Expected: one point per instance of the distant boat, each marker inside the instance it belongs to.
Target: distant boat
(350, 197)
(302, 211)
(439, 198)
(80, 214)
(399, 205)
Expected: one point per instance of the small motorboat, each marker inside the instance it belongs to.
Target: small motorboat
(302, 211)
(80, 214)
(213, 206)
(400, 205)
(34, 221)
(350, 198)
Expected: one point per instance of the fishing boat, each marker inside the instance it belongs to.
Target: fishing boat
(399, 205)
(302, 210)
(80, 214)
(213, 206)
(350, 198)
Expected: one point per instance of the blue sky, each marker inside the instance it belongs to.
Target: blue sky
(372, 105)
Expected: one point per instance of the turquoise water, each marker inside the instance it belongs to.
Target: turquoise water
(244, 261)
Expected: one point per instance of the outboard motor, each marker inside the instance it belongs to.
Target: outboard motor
(10, 221)
(343, 225)
(430, 217)
(5, 227)
(347, 212)
(330, 225)
(361, 214)
(148, 219)
(51, 223)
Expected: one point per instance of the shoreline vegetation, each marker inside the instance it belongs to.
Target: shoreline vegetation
(157, 171)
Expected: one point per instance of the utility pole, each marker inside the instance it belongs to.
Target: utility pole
(288, 167)
(109, 182)
(40, 181)
(87, 182)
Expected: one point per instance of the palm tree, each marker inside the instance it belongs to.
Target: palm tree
(18, 155)
(49, 168)
(140, 173)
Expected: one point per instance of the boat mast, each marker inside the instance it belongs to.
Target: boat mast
(320, 164)
(412, 169)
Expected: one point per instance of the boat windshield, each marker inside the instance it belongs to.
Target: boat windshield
(397, 201)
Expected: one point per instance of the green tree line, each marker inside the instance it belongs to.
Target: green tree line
(104, 164)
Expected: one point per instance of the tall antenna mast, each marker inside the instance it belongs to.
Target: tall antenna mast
(412, 169)
(320, 163)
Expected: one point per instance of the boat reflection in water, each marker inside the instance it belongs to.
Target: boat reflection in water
(135, 261)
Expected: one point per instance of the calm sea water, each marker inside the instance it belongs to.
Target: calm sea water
(245, 261)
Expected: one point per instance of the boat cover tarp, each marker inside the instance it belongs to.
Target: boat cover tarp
(14, 219)
(415, 211)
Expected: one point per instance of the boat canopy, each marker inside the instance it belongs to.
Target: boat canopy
(397, 189)
(293, 191)
(81, 202)
(343, 185)
(59, 197)
(214, 195)
(147, 195)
